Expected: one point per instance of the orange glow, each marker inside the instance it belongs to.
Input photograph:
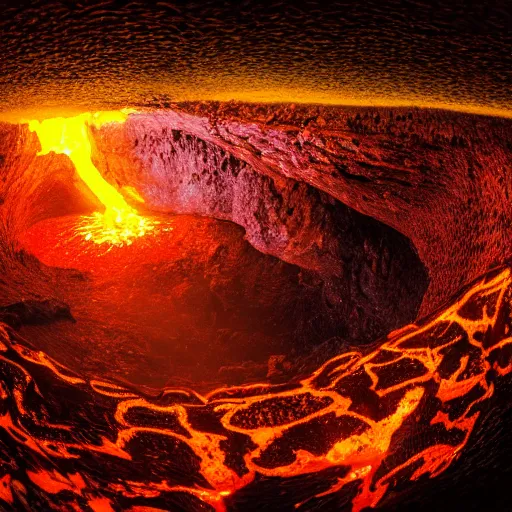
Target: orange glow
(258, 91)
(120, 223)
(425, 378)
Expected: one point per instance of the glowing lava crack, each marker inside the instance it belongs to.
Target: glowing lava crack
(362, 424)
(120, 223)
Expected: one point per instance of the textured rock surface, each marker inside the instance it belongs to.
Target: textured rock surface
(354, 278)
(441, 179)
(374, 269)
(111, 53)
(369, 276)
(285, 174)
(322, 188)
(416, 422)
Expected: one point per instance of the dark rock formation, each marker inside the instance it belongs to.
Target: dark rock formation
(35, 312)
(347, 195)
(352, 205)
(370, 271)
(441, 179)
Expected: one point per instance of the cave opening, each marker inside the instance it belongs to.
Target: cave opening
(290, 318)
(245, 277)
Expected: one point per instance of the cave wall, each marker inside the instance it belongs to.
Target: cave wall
(440, 178)
(443, 179)
(371, 276)
(33, 188)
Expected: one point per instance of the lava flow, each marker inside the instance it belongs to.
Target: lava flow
(120, 223)
(361, 427)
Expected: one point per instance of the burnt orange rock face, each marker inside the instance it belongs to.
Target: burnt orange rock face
(442, 179)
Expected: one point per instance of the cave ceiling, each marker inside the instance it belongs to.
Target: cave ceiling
(103, 54)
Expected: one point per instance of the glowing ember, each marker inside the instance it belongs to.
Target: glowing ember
(120, 223)
(114, 227)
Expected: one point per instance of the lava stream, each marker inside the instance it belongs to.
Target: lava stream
(120, 223)
(363, 424)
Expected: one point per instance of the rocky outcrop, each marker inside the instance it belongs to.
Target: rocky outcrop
(369, 275)
(442, 179)
(35, 312)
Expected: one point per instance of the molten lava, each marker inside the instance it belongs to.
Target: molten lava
(120, 223)
(362, 424)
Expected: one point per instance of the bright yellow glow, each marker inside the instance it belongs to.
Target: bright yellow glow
(70, 136)
(238, 89)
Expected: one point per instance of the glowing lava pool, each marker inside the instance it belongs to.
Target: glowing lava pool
(191, 295)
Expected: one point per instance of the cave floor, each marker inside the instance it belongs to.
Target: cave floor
(191, 303)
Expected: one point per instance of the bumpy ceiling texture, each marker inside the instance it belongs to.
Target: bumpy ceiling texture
(107, 54)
